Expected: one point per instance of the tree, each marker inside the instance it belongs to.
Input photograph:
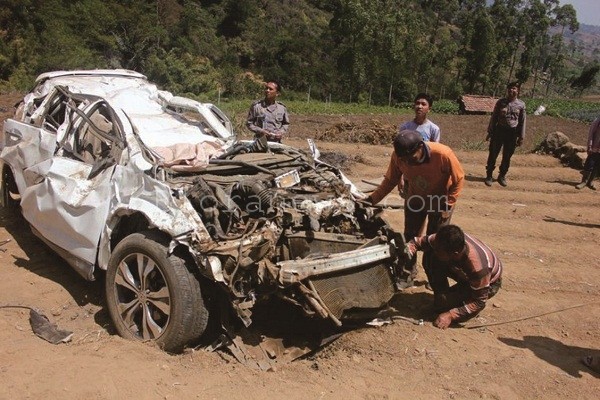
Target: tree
(586, 79)
(464, 18)
(536, 22)
(566, 16)
(439, 12)
(481, 54)
(380, 51)
(379, 44)
(507, 16)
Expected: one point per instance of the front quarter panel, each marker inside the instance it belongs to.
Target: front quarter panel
(136, 192)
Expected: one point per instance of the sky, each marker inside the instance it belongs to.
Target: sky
(588, 11)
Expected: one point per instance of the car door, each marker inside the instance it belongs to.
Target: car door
(66, 197)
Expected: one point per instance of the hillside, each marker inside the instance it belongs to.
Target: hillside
(585, 41)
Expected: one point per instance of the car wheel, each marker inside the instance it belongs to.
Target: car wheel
(153, 296)
(12, 199)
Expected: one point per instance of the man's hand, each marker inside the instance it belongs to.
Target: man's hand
(519, 141)
(274, 136)
(443, 320)
(410, 249)
(488, 137)
(402, 188)
(445, 213)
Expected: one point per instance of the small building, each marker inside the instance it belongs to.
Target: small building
(476, 104)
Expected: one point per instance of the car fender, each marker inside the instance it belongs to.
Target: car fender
(140, 193)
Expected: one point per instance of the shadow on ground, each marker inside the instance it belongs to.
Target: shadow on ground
(473, 178)
(42, 261)
(561, 221)
(568, 358)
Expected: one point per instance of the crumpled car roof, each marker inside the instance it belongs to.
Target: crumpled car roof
(139, 99)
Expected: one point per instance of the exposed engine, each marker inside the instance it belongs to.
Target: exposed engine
(280, 205)
(286, 187)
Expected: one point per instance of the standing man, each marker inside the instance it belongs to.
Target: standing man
(428, 130)
(269, 117)
(592, 162)
(433, 179)
(505, 131)
(474, 267)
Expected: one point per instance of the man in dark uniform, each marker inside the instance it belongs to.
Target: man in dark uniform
(592, 162)
(505, 131)
(269, 117)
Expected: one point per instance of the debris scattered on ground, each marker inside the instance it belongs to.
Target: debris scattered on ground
(2, 243)
(43, 328)
(48, 331)
(540, 110)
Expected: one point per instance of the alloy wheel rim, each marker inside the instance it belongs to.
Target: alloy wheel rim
(142, 296)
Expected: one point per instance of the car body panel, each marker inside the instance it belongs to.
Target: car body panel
(65, 206)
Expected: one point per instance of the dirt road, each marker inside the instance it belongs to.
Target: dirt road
(542, 322)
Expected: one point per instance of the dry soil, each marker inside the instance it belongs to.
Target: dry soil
(539, 326)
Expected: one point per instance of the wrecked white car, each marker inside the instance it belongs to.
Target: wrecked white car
(114, 174)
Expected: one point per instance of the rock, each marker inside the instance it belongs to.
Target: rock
(559, 145)
(553, 142)
(573, 156)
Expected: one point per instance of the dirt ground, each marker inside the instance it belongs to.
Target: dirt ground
(539, 326)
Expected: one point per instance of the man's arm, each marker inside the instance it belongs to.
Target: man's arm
(403, 126)
(436, 134)
(479, 283)
(521, 125)
(434, 131)
(593, 134)
(252, 119)
(285, 122)
(390, 180)
(457, 178)
(420, 243)
(493, 121)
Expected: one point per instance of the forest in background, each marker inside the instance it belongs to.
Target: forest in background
(378, 52)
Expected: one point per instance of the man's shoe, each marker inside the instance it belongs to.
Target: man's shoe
(488, 181)
(586, 180)
(502, 180)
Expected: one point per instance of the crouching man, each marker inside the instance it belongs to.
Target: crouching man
(473, 265)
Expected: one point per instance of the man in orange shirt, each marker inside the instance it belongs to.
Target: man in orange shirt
(433, 179)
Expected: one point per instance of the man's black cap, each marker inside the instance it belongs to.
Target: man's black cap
(406, 142)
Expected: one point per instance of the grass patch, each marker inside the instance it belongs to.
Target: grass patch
(579, 110)
(315, 107)
(584, 111)
(474, 145)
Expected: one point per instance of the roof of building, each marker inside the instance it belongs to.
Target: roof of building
(470, 103)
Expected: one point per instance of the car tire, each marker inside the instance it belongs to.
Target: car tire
(152, 295)
(10, 191)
